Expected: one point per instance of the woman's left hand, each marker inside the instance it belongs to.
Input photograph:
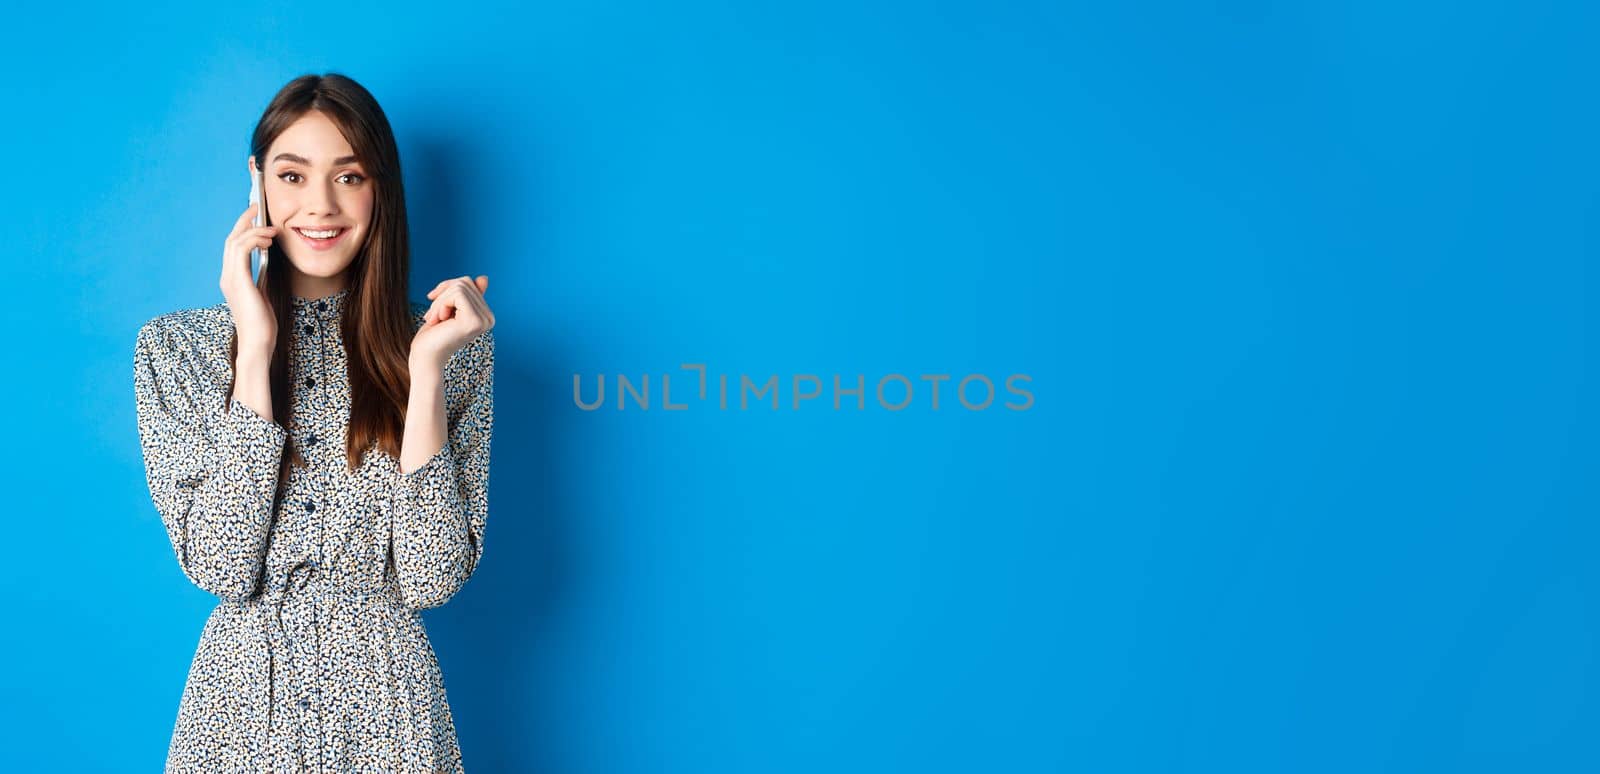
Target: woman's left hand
(458, 315)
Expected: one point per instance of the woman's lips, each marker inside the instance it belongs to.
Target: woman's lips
(322, 244)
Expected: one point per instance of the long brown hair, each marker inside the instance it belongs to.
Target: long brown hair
(377, 325)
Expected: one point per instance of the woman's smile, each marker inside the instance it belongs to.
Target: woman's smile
(321, 243)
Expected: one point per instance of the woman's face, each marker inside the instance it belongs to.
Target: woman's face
(314, 184)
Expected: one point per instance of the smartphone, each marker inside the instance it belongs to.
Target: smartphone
(258, 255)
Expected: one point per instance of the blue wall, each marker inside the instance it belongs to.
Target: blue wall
(1305, 293)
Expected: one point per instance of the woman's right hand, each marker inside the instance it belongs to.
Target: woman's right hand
(253, 319)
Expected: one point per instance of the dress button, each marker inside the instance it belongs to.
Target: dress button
(310, 382)
(311, 439)
(309, 330)
(305, 703)
(311, 507)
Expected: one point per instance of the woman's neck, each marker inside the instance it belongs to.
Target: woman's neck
(313, 288)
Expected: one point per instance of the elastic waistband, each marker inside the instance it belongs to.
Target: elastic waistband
(308, 582)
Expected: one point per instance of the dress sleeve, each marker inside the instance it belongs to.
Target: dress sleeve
(212, 473)
(439, 509)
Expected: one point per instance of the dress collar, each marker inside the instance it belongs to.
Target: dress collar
(328, 306)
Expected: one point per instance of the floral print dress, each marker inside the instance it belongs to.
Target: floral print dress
(315, 658)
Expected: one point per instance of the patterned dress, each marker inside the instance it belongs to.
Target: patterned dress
(315, 658)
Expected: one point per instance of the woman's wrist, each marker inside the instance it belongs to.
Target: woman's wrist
(424, 371)
(251, 382)
(256, 352)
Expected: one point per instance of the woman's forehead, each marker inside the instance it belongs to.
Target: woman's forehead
(312, 140)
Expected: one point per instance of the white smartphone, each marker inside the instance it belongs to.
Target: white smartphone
(257, 254)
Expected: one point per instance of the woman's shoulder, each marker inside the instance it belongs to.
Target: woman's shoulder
(194, 339)
(194, 327)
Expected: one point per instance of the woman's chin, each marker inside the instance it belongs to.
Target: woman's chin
(323, 266)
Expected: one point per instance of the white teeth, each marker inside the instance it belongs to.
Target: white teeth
(320, 234)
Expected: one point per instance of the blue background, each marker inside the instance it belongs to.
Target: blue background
(1305, 292)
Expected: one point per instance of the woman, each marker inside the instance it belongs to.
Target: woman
(321, 553)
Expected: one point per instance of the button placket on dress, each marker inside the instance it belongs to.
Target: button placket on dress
(326, 317)
(305, 591)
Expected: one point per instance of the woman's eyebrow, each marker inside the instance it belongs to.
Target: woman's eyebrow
(299, 160)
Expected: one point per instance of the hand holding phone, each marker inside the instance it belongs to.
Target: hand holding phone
(253, 318)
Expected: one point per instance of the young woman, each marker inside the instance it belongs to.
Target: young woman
(318, 449)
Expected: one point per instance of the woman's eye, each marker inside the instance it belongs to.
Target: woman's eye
(358, 178)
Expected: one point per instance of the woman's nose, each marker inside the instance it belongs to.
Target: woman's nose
(320, 200)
